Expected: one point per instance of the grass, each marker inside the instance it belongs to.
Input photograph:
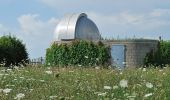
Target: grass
(38, 83)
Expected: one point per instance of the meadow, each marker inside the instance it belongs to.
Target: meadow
(51, 83)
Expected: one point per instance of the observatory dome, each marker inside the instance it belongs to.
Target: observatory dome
(76, 26)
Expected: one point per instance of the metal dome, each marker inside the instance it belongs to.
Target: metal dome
(76, 26)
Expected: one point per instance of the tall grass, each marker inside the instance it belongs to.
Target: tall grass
(40, 83)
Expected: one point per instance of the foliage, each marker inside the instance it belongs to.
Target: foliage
(12, 51)
(161, 57)
(79, 53)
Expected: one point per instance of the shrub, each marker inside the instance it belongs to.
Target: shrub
(161, 57)
(77, 53)
(12, 51)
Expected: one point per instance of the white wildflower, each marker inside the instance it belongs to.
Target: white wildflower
(21, 77)
(97, 67)
(9, 69)
(144, 69)
(149, 85)
(19, 96)
(79, 65)
(107, 87)
(48, 72)
(31, 89)
(16, 67)
(102, 94)
(15, 79)
(147, 95)
(7, 90)
(126, 94)
(123, 83)
(123, 63)
(53, 97)
(120, 73)
(1, 74)
(160, 70)
(86, 57)
(115, 87)
(42, 80)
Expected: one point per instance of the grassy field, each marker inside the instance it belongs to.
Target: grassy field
(40, 83)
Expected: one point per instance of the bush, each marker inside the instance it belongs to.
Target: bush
(77, 53)
(161, 57)
(12, 51)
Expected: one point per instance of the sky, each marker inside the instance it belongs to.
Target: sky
(34, 21)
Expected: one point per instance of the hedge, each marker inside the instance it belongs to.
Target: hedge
(77, 53)
(161, 57)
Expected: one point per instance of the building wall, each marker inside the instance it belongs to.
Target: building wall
(136, 50)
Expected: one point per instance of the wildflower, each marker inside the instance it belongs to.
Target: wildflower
(6, 90)
(115, 87)
(86, 57)
(144, 69)
(21, 77)
(49, 64)
(1, 74)
(107, 87)
(42, 80)
(126, 94)
(149, 85)
(102, 94)
(160, 70)
(52, 97)
(19, 96)
(123, 83)
(49, 72)
(9, 69)
(79, 65)
(97, 67)
(147, 95)
(15, 79)
(123, 63)
(31, 90)
(16, 67)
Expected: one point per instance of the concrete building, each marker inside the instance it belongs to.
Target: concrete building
(124, 53)
(130, 53)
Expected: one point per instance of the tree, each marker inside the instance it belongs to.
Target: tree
(12, 51)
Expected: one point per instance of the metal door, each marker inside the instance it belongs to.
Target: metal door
(118, 55)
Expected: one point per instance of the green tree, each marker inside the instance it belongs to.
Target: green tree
(12, 51)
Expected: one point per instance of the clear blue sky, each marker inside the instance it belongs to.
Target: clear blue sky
(34, 21)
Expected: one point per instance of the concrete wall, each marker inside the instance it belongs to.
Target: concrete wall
(136, 50)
